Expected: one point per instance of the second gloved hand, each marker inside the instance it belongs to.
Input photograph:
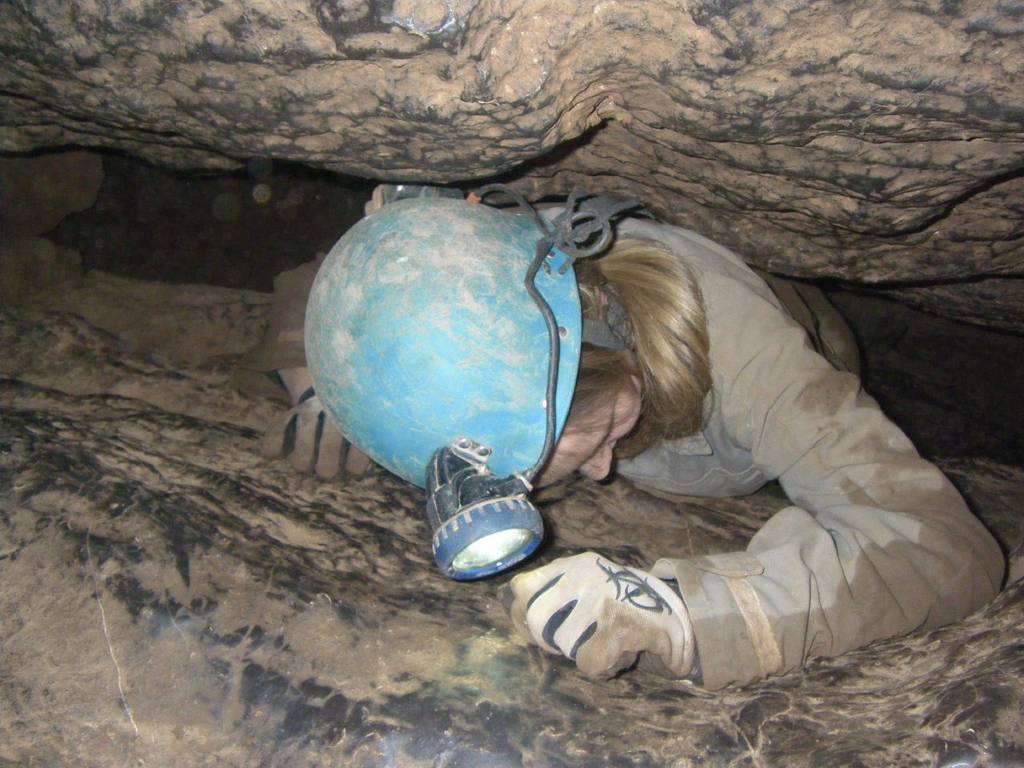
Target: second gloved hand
(602, 616)
(308, 438)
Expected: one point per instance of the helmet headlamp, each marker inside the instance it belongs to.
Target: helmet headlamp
(444, 368)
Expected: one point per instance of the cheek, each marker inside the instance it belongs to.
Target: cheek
(577, 453)
(599, 465)
(571, 453)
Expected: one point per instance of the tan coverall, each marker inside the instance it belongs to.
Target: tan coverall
(878, 542)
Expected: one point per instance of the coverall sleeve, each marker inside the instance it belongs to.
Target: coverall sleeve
(878, 542)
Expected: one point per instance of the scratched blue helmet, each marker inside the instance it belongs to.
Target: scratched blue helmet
(444, 340)
(420, 332)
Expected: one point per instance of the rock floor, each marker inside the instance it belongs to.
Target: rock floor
(171, 598)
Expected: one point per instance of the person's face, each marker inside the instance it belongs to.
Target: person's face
(589, 448)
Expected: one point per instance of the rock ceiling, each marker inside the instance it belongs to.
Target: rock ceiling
(865, 141)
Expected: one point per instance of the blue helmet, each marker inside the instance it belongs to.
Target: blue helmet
(420, 332)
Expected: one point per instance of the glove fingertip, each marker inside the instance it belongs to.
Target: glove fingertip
(554, 623)
(584, 636)
(303, 454)
(356, 462)
(329, 452)
(327, 465)
(275, 439)
(598, 668)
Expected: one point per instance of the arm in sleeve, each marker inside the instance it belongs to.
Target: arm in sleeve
(878, 542)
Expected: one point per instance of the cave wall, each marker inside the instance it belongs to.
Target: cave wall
(864, 141)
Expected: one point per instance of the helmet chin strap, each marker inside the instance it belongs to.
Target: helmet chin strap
(482, 523)
(584, 229)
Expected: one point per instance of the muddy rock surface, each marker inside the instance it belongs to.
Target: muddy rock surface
(172, 598)
(865, 141)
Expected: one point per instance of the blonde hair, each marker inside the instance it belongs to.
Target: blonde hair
(670, 343)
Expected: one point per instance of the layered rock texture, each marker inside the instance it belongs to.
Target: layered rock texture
(864, 141)
(170, 597)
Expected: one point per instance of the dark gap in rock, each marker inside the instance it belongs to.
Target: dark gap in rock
(953, 387)
(233, 230)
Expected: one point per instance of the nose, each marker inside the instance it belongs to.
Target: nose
(599, 465)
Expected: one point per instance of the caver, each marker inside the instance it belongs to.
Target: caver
(660, 354)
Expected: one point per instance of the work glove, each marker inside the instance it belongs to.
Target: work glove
(603, 616)
(308, 438)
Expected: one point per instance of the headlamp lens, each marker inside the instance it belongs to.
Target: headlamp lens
(492, 549)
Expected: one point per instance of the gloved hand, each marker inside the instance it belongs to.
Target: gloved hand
(308, 437)
(602, 616)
